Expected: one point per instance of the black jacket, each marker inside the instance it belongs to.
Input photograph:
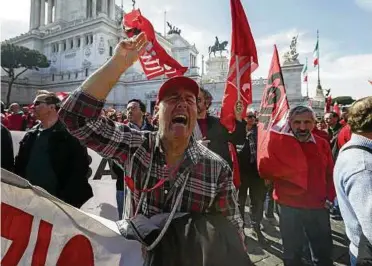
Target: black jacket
(333, 134)
(247, 169)
(69, 160)
(7, 155)
(219, 137)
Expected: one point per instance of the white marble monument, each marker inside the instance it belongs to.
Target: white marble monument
(78, 36)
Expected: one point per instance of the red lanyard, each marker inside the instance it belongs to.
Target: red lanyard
(130, 183)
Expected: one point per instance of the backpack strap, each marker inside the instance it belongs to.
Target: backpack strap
(358, 147)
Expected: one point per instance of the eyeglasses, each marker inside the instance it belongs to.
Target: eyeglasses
(251, 116)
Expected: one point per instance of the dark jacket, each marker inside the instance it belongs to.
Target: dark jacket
(333, 134)
(69, 159)
(7, 155)
(219, 137)
(247, 169)
(364, 252)
(199, 239)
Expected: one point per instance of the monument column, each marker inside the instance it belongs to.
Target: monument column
(104, 6)
(112, 9)
(37, 14)
(50, 10)
(58, 9)
(42, 13)
(32, 15)
(94, 8)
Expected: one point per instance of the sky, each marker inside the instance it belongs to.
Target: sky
(344, 26)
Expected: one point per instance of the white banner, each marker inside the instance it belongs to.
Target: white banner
(39, 229)
(103, 202)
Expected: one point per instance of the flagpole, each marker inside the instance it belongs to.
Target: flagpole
(165, 23)
(307, 82)
(317, 33)
(237, 76)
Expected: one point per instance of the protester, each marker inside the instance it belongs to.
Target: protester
(170, 158)
(250, 178)
(7, 155)
(30, 118)
(345, 133)
(4, 117)
(332, 120)
(305, 210)
(214, 135)
(16, 119)
(136, 110)
(353, 176)
(51, 158)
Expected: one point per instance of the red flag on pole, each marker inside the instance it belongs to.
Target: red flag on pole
(243, 62)
(336, 109)
(328, 104)
(155, 61)
(273, 159)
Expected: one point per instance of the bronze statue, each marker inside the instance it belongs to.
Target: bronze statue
(218, 47)
(173, 29)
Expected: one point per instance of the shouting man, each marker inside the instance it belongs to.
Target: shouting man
(163, 164)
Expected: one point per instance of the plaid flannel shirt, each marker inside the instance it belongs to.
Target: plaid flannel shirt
(210, 185)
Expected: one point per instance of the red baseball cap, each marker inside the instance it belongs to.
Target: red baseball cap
(177, 83)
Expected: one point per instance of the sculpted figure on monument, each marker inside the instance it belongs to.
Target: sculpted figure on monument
(173, 29)
(218, 47)
(292, 55)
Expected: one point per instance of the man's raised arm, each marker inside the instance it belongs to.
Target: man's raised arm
(81, 111)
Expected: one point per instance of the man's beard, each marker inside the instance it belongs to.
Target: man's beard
(303, 134)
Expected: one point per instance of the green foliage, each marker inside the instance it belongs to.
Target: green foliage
(14, 57)
(343, 100)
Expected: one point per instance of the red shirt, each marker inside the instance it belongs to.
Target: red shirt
(321, 133)
(319, 179)
(5, 121)
(344, 136)
(16, 122)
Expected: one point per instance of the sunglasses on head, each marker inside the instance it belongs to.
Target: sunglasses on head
(251, 116)
(36, 103)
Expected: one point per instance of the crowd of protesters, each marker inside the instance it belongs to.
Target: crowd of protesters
(180, 157)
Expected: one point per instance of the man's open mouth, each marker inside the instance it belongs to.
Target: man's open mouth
(179, 119)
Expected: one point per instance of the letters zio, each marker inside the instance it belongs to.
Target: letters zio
(16, 225)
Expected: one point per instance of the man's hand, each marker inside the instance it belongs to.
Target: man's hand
(127, 51)
(238, 110)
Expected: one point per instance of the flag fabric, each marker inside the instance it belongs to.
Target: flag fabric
(304, 72)
(275, 162)
(336, 109)
(328, 104)
(155, 61)
(55, 233)
(316, 54)
(62, 95)
(243, 55)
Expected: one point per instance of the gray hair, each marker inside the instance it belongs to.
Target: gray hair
(300, 110)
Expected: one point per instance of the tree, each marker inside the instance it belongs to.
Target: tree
(343, 100)
(14, 57)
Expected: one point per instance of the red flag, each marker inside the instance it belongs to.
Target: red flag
(62, 95)
(155, 61)
(336, 109)
(328, 103)
(273, 159)
(244, 55)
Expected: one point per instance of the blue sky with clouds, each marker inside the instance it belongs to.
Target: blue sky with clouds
(344, 25)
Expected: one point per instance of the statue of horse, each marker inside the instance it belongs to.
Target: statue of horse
(218, 48)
